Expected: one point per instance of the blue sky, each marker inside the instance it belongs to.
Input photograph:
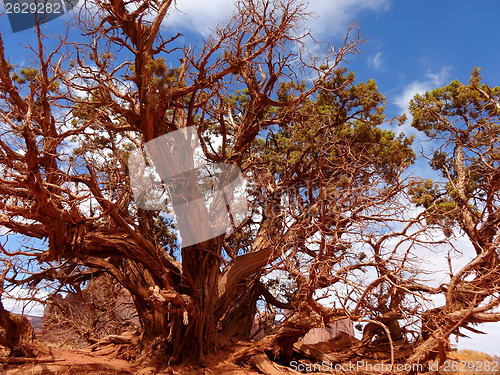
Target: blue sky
(426, 44)
(412, 46)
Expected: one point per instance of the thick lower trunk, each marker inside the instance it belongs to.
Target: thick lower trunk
(200, 279)
(183, 318)
(188, 332)
(178, 322)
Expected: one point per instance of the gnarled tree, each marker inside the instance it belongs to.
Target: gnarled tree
(70, 121)
(327, 201)
(462, 120)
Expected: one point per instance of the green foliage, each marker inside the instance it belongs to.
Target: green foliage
(162, 78)
(468, 106)
(29, 74)
(165, 232)
(238, 101)
(33, 76)
(464, 122)
(440, 208)
(340, 126)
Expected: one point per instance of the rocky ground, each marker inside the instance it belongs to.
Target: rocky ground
(108, 357)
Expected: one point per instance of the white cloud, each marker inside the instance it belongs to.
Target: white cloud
(334, 16)
(410, 90)
(17, 301)
(200, 16)
(432, 81)
(440, 77)
(331, 17)
(375, 62)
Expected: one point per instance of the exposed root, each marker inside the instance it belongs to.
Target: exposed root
(265, 365)
(122, 347)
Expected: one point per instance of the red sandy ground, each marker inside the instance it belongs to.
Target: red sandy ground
(80, 362)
